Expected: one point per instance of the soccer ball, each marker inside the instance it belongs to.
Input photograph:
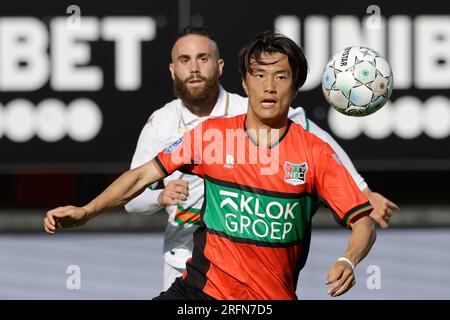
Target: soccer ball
(357, 81)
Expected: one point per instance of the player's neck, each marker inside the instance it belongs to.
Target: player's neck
(265, 132)
(252, 121)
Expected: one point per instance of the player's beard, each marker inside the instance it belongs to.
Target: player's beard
(200, 96)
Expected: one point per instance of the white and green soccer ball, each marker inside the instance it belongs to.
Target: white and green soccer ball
(357, 81)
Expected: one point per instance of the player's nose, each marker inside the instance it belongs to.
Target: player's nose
(269, 86)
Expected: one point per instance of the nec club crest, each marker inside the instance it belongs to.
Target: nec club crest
(295, 173)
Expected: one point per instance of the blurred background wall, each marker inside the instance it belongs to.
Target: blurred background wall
(78, 80)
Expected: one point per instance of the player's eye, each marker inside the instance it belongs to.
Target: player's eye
(282, 76)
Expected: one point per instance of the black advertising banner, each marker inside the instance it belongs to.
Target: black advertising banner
(78, 80)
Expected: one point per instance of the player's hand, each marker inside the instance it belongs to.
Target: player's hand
(175, 192)
(340, 278)
(383, 208)
(64, 217)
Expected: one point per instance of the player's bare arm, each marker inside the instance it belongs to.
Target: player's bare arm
(124, 188)
(383, 208)
(341, 277)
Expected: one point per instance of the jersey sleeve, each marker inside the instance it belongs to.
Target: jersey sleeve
(184, 155)
(336, 187)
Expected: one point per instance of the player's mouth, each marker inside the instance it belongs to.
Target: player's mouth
(268, 102)
(195, 81)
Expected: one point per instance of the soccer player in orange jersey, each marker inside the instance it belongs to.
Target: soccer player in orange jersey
(264, 177)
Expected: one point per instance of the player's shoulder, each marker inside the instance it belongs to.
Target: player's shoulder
(237, 98)
(166, 114)
(313, 146)
(308, 137)
(298, 115)
(237, 104)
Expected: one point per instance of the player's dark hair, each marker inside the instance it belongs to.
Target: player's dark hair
(197, 30)
(201, 31)
(272, 42)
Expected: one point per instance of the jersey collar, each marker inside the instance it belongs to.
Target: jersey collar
(273, 143)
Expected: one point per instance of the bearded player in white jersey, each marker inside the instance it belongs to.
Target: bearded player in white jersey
(196, 69)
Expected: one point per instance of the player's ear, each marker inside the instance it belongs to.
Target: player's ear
(220, 64)
(172, 70)
(244, 85)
